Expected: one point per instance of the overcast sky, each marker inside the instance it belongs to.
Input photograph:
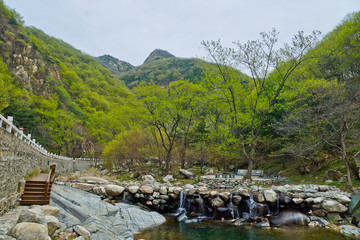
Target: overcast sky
(131, 29)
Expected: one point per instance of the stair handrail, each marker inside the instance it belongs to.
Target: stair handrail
(49, 180)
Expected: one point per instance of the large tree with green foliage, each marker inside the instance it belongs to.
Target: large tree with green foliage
(270, 69)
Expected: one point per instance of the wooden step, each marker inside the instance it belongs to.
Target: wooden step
(40, 197)
(35, 193)
(33, 202)
(35, 189)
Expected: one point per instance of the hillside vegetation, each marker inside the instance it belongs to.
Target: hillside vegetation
(297, 112)
(64, 98)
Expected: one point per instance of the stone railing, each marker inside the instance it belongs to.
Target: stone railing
(7, 123)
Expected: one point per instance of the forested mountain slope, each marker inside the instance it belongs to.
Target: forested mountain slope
(63, 97)
(161, 67)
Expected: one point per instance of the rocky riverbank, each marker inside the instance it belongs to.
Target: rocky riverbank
(76, 214)
(313, 205)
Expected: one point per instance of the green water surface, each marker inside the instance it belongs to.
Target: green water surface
(217, 230)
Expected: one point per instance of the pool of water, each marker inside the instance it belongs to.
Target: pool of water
(217, 230)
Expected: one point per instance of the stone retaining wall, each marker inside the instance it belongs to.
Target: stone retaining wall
(18, 159)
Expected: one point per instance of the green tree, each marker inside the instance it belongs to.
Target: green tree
(270, 69)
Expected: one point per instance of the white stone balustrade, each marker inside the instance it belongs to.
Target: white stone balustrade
(7, 123)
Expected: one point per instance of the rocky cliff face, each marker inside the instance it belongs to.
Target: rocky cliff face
(158, 54)
(27, 65)
(115, 65)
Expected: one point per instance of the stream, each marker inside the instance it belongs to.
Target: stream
(218, 230)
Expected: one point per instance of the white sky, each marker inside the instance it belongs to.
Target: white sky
(131, 29)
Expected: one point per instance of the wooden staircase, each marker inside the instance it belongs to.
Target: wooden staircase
(38, 189)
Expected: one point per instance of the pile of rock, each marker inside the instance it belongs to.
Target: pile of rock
(42, 223)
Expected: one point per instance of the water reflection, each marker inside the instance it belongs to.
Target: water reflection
(210, 230)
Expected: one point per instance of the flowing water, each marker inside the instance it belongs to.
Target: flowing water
(217, 230)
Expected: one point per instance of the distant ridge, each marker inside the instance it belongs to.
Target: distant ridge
(158, 54)
(115, 65)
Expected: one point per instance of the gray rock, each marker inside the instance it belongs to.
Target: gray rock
(270, 195)
(29, 231)
(147, 189)
(236, 199)
(101, 219)
(163, 190)
(148, 180)
(93, 180)
(99, 190)
(216, 202)
(134, 189)
(259, 197)
(290, 217)
(50, 210)
(34, 215)
(168, 178)
(187, 173)
(82, 231)
(333, 206)
(52, 224)
(114, 190)
(83, 186)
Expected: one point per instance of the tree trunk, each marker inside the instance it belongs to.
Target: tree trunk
(345, 160)
(251, 162)
(182, 153)
(167, 161)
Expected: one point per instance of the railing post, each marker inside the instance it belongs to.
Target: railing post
(9, 127)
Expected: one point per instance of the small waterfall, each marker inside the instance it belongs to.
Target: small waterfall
(231, 206)
(202, 206)
(253, 207)
(124, 198)
(182, 204)
(277, 206)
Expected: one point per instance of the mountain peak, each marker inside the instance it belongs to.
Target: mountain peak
(158, 54)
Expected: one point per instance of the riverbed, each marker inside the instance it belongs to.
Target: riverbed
(216, 230)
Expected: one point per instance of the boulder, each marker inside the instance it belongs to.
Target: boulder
(298, 200)
(171, 189)
(225, 196)
(189, 186)
(93, 180)
(52, 224)
(224, 213)
(270, 195)
(134, 189)
(178, 190)
(82, 231)
(34, 215)
(285, 199)
(99, 190)
(168, 178)
(334, 175)
(29, 231)
(290, 217)
(148, 180)
(50, 210)
(259, 197)
(101, 219)
(214, 194)
(333, 206)
(114, 190)
(156, 194)
(203, 190)
(187, 173)
(83, 186)
(146, 189)
(236, 199)
(216, 202)
(342, 199)
(163, 190)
